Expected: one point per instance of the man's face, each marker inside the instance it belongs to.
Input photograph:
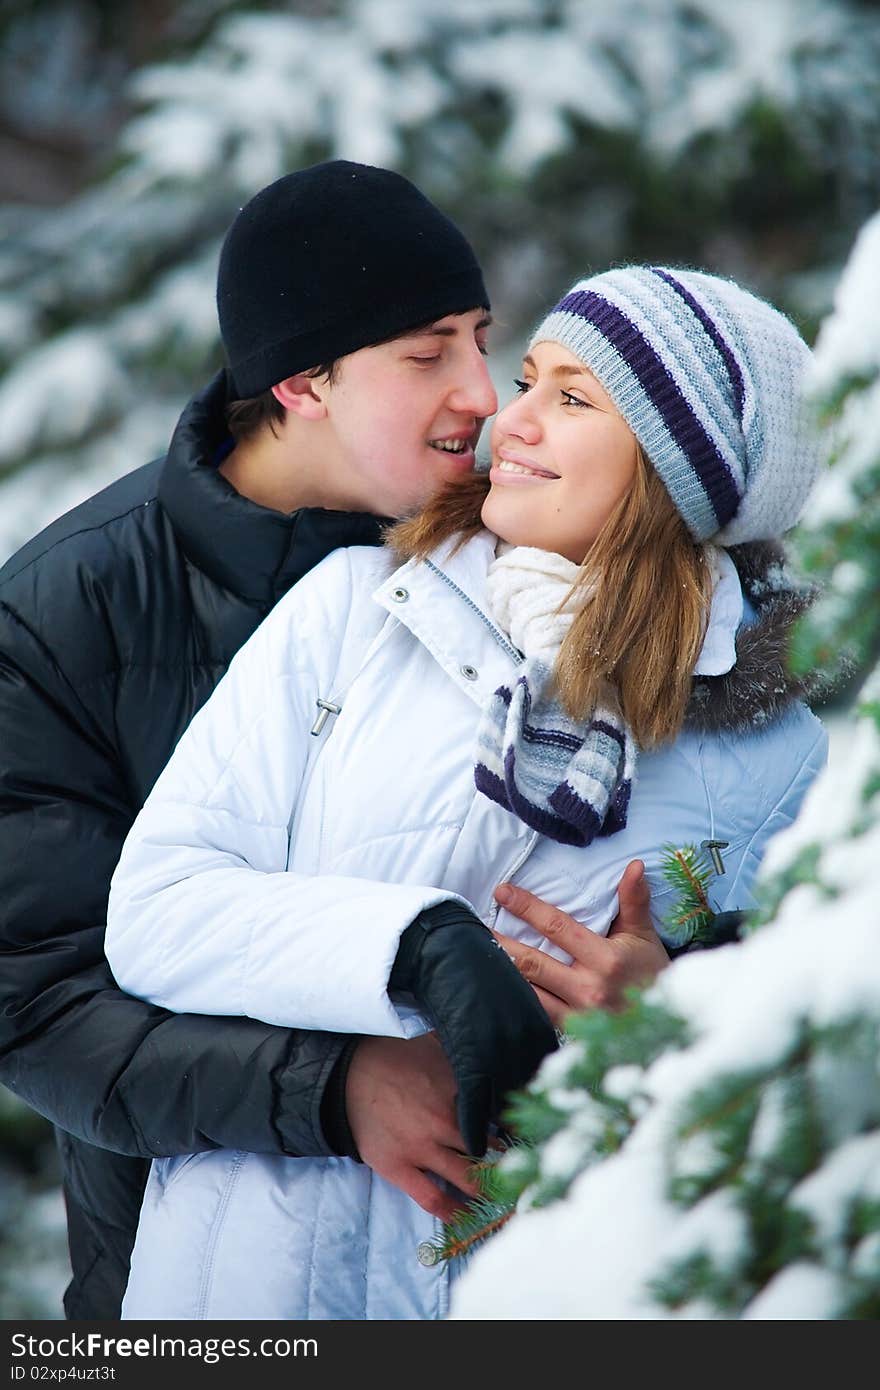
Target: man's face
(405, 416)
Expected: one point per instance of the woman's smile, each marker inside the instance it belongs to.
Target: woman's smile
(512, 467)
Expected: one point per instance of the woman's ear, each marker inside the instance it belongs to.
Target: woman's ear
(298, 395)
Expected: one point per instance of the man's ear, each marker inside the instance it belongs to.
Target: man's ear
(298, 395)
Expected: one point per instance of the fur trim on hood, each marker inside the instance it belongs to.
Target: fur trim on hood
(760, 685)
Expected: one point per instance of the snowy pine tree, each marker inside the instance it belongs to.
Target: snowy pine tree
(714, 1152)
(839, 537)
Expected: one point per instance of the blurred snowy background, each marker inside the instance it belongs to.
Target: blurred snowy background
(563, 135)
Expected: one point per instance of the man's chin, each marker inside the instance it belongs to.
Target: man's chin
(435, 484)
(455, 465)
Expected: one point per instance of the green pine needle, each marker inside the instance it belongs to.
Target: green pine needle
(470, 1227)
(691, 916)
(487, 1213)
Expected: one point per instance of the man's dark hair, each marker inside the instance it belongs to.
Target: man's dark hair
(245, 418)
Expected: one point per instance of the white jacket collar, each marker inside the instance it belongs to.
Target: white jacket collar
(469, 565)
(718, 653)
(442, 602)
(467, 568)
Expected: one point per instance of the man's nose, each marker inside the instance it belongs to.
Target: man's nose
(476, 395)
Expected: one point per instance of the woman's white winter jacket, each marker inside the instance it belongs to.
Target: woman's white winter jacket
(322, 798)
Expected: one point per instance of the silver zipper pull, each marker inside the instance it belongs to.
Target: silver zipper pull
(715, 847)
(325, 708)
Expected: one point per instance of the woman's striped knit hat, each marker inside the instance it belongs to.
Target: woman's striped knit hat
(710, 380)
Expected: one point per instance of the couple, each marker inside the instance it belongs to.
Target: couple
(310, 878)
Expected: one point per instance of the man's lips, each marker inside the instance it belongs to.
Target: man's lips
(458, 444)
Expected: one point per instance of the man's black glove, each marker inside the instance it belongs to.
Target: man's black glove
(488, 1019)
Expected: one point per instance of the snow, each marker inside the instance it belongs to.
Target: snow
(563, 1155)
(563, 77)
(747, 1004)
(624, 1082)
(871, 688)
(563, 1098)
(714, 1227)
(848, 352)
(17, 324)
(32, 498)
(589, 1248)
(697, 1154)
(185, 144)
(865, 1262)
(801, 1291)
(558, 1065)
(848, 577)
(828, 1194)
(848, 343)
(835, 801)
(852, 863)
(180, 310)
(856, 434)
(769, 1128)
(58, 391)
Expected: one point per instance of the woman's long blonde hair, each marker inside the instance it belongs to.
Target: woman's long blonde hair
(640, 635)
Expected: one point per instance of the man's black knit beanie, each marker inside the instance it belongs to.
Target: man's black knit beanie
(331, 259)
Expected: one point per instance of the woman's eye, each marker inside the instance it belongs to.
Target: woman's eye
(521, 386)
(432, 357)
(574, 400)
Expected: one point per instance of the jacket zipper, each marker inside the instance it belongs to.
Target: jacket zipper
(499, 637)
(516, 656)
(514, 869)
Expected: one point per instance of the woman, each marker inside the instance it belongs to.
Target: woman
(607, 679)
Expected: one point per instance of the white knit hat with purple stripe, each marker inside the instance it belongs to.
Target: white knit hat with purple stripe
(710, 379)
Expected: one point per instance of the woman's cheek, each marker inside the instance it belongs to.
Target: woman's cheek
(492, 514)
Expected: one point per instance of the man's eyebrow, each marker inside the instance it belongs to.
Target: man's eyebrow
(438, 330)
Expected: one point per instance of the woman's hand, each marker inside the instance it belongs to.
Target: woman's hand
(602, 967)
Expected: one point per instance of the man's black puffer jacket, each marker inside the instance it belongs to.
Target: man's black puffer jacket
(115, 625)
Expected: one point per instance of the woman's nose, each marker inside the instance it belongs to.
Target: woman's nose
(519, 418)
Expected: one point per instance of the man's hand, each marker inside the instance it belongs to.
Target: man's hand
(602, 967)
(400, 1101)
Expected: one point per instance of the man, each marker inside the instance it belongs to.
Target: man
(354, 317)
